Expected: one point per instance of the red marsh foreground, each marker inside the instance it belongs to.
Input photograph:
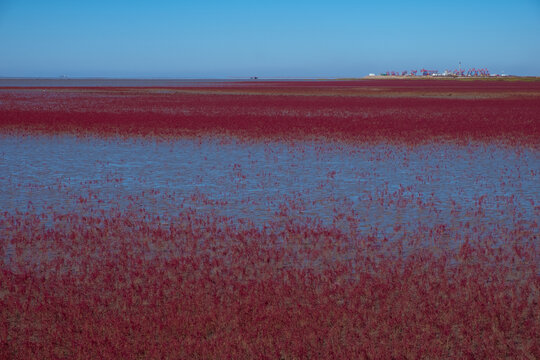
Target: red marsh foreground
(365, 219)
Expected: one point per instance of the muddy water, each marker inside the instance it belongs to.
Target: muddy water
(386, 187)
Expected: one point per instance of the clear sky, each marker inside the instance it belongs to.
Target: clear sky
(278, 38)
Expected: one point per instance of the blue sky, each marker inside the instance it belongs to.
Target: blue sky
(240, 38)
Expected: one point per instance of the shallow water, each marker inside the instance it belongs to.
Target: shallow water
(383, 185)
(111, 82)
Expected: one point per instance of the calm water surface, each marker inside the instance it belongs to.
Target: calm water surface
(383, 185)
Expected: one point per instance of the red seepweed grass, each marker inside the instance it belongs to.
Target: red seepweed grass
(255, 112)
(120, 281)
(115, 284)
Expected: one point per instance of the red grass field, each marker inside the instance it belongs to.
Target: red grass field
(411, 111)
(109, 276)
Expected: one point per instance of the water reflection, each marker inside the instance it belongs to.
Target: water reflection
(389, 187)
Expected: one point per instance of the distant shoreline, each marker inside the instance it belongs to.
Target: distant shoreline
(8, 82)
(430, 77)
(128, 82)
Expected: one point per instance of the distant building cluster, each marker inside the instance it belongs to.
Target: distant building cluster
(472, 72)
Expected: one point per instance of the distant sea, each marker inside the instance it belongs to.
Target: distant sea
(108, 82)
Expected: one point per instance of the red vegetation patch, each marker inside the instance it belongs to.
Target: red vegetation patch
(128, 285)
(111, 278)
(169, 113)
